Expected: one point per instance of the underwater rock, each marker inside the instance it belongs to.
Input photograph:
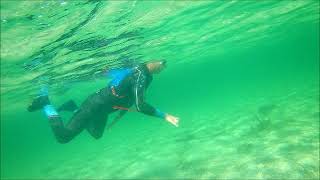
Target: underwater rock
(262, 117)
(266, 109)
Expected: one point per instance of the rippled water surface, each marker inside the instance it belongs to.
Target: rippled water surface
(243, 76)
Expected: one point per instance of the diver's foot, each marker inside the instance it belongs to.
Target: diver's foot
(38, 103)
(68, 106)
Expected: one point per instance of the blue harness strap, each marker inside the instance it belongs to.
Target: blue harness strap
(117, 75)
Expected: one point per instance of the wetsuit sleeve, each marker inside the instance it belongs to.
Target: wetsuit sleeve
(139, 91)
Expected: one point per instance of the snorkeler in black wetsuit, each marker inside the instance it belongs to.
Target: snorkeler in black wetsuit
(127, 88)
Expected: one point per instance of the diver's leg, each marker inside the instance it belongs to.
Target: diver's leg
(98, 121)
(65, 133)
(62, 133)
(96, 127)
(68, 106)
(91, 115)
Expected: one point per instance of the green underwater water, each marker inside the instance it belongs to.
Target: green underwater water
(243, 76)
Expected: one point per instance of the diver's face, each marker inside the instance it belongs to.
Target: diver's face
(157, 67)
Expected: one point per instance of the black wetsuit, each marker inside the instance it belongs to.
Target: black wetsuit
(120, 93)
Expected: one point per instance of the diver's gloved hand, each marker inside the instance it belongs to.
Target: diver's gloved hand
(172, 119)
